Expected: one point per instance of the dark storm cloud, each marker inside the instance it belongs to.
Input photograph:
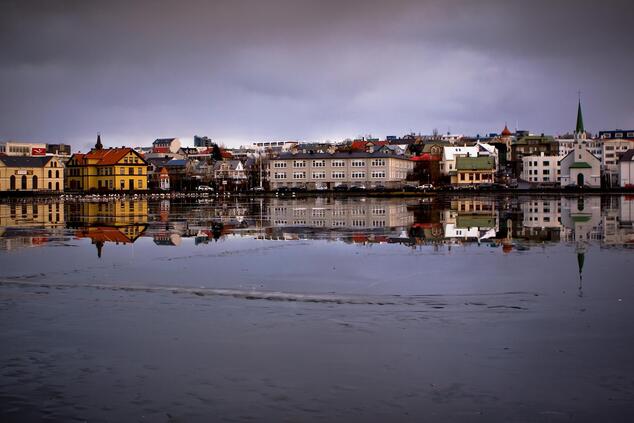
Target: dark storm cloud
(247, 70)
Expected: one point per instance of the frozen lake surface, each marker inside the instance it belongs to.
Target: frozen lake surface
(464, 308)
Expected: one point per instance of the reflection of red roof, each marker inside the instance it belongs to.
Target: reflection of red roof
(39, 240)
(103, 233)
(426, 225)
(359, 238)
(507, 248)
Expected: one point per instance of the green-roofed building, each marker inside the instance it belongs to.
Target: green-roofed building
(473, 170)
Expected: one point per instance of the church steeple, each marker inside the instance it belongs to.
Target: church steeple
(579, 129)
(99, 145)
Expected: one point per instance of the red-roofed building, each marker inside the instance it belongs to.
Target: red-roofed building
(121, 169)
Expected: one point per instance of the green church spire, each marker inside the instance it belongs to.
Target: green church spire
(580, 129)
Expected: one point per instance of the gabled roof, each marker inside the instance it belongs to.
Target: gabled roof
(628, 156)
(163, 141)
(105, 157)
(474, 163)
(25, 161)
(580, 165)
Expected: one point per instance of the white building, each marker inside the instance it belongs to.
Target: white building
(566, 145)
(612, 150)
(580, 167)
(450, 153)
(26, 149)
(541, 169)
(626, 169)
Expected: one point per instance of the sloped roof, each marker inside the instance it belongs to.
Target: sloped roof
(25, 161)
(580, 165)
(105, 157)
(474, 163)
(628, 156)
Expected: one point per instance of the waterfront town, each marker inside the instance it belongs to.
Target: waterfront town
(505, 160)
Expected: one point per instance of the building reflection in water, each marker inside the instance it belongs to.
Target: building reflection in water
(118, 221)
(30, 224)
(512, 223)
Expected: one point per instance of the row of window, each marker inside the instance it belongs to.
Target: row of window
(333, 175)
(333, 163)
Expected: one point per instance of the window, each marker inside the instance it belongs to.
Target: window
(546, 172)
(546, 163)
(358, 175)
(338, 163)
(630, 135)
(319, 175)
(299, 163)
(279, 164)
(618, 135)
(462, 176)
(378, 162)
(358, 163)
(299, 175)
(140, 184)
(140, 171)
(338, 175)
(50, 173)
(279, 175)
(609, 147)
(131, 171)
(121, 171)
(319, 163)
(378, 174)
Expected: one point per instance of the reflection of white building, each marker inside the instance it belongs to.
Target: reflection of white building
(318, 213)
(538, 213)
(470, 219)
(618, 219)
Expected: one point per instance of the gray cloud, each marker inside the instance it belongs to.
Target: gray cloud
(242, 71)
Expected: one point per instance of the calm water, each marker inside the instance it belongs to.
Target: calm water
(465, 308)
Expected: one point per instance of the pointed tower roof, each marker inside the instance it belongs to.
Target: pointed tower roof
(579, 129)
(505, 131)
(99, 145)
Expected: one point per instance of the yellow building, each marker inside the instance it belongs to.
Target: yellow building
(111, 169)
(31, 173)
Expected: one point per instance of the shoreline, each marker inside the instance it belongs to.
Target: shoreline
(299, 194)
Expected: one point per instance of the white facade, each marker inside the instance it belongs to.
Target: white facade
(541, 169)
(612, 150)
(449, 155)
(626, 170)
(566, 145)
(17, 148)
(580, 167)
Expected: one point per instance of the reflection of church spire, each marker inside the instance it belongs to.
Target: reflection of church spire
(99, 245)
(581, 255)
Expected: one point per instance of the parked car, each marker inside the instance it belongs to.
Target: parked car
(257, 189)
(410, 188)
(341, 187)
(357, 188)
(321, 188)
(204, 188)
(425, 187)
(379, 188)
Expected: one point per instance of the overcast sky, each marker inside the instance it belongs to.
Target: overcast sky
(245, 71)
